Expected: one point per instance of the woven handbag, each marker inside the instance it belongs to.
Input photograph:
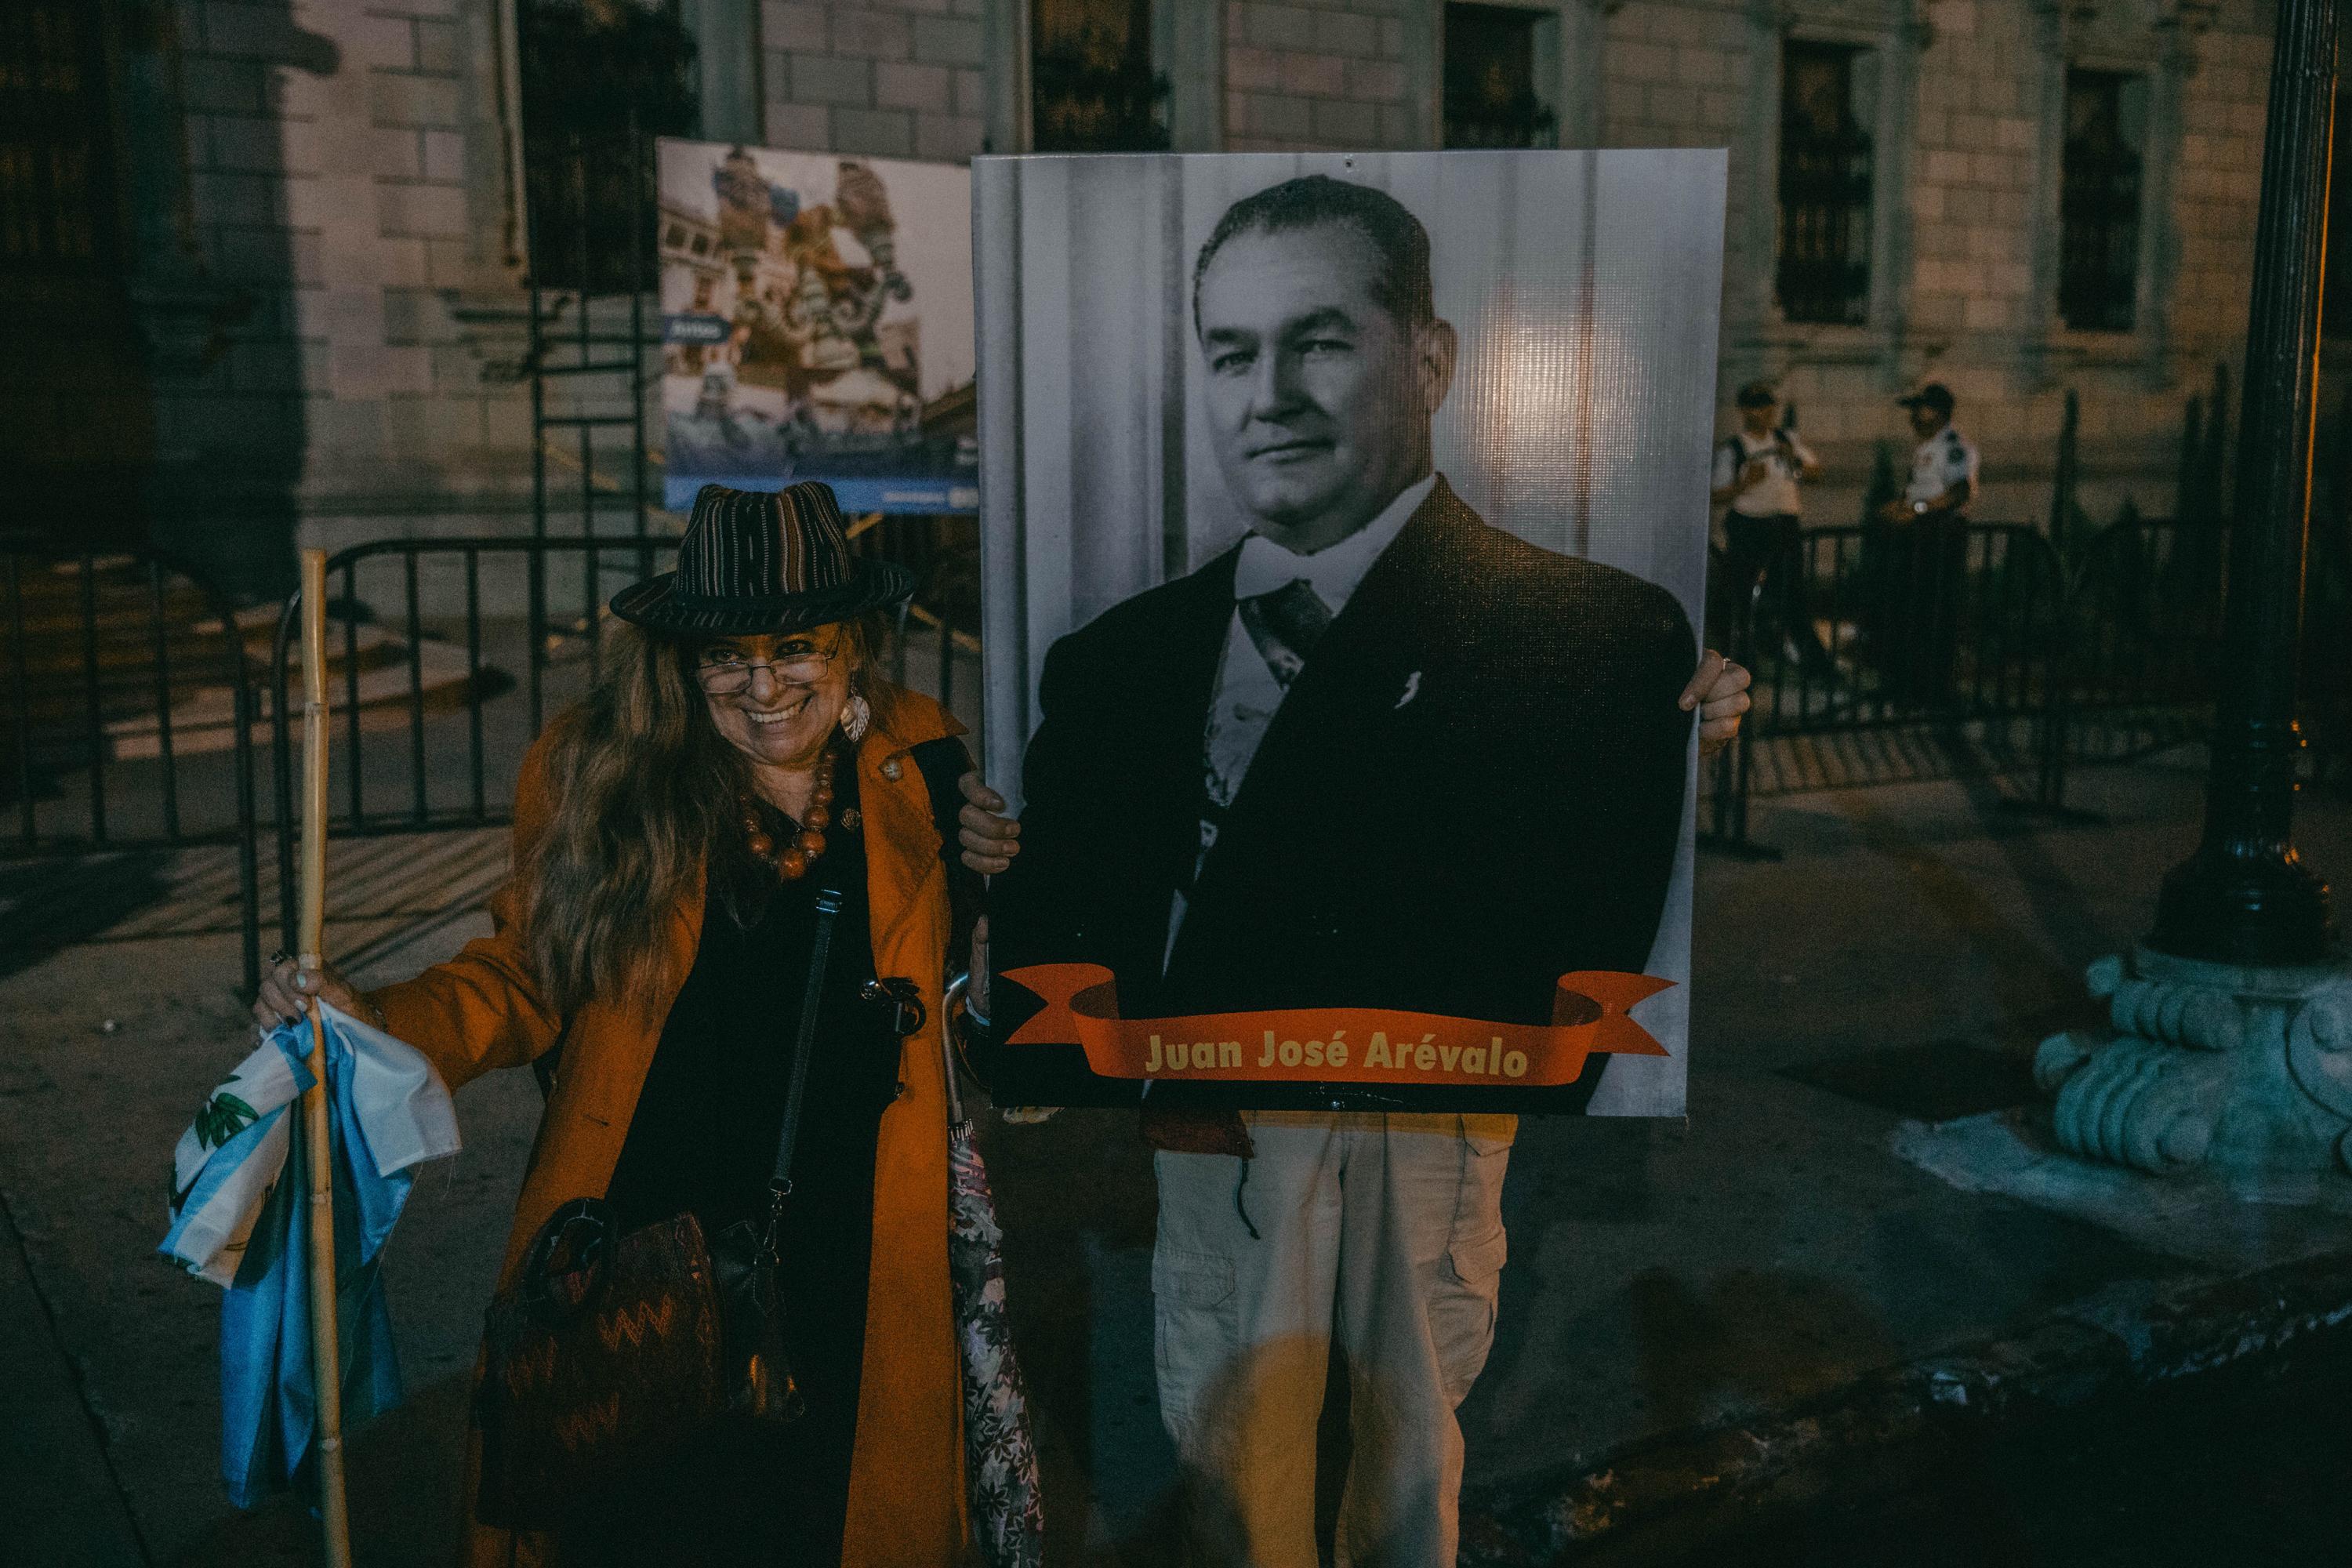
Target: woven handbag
(606, 1356)
(611, 1351)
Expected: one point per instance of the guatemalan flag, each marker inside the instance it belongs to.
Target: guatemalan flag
(240, 1218)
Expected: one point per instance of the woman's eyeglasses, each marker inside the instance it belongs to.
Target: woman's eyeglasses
(723, 673)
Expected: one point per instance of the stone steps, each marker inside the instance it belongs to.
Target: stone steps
(51, 702)
(205, 720)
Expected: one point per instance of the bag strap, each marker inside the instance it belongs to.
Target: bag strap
(780, 1180)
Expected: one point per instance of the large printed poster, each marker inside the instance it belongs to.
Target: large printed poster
(1344, 531)
(817, 324)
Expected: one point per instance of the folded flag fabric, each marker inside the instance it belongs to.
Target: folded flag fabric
(240, 1217)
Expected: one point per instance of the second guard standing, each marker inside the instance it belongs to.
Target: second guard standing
(1916, 634)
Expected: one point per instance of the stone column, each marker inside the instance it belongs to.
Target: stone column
(2233, 1020)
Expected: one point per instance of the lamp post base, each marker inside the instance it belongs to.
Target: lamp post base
(2212, 1064)
(2267, 911)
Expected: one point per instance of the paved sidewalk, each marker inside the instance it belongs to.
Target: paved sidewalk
(1769, 1256)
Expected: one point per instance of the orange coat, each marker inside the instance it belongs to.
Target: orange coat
(480, 1011)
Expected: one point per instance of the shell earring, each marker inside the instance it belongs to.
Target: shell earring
(856, 716)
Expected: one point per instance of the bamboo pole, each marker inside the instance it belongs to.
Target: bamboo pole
(326, 1351)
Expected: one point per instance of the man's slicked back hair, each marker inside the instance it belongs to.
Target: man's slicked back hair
(1401, 281)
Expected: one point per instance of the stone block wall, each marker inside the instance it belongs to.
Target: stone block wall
(345, 179)
(348, 175)
(893, 79)
(1323, 78)
(1968, 265)
(2218, 183)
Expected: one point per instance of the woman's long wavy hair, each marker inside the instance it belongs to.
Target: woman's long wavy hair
(645, 788)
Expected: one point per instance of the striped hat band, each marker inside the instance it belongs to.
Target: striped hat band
(755, 562)
(754, 544)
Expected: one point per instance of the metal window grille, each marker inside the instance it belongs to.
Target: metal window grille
(55, 182)
(1490, 80)
(593, 79)
(1826, 175)
(2098, 269)
(1092, 87)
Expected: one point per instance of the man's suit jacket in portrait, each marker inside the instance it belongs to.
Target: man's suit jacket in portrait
(1474, 786)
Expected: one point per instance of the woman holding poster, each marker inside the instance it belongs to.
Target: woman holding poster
(731, 915)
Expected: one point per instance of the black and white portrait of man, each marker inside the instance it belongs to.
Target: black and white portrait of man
(1303, 723)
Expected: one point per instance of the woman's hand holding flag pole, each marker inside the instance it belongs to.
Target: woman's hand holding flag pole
(305, 1300)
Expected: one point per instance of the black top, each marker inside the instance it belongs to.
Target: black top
(704, 1135)
(703, 1139)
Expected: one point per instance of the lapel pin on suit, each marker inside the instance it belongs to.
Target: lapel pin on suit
(1412, 690)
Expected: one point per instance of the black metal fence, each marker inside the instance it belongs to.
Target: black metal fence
(135, 692)
(1939, 650)
(129, 724)
(137, 696)
(2144, 631)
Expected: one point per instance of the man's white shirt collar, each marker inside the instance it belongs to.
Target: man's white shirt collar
(1334, 570)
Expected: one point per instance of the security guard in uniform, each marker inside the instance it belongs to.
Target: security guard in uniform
(1944, 469)
(1917, 636)
(1757, 468)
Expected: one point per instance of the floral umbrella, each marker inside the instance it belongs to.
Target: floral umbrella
(1008, 1520)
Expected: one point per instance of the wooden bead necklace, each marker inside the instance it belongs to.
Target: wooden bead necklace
(791, 862)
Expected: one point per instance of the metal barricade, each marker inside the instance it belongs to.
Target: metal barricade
(1979, 643)
(1901, 650)
(1895, 651)
(2145, 628)
(129, 715)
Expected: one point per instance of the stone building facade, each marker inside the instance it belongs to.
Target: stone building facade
(314, 249)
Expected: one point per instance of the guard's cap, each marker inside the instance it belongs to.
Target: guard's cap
(1934, 396)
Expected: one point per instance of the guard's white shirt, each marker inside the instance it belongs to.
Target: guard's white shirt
(1243, 706)
(1943, 460)
(1776, 492)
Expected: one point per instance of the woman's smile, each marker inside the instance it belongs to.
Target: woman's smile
(784, 715)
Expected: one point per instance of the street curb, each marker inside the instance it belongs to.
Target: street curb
(1676, 1491)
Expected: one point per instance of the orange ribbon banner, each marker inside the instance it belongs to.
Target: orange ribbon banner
(1338, 1045)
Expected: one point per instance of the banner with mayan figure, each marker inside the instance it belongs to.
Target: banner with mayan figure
(1344, 529)
(817, 324)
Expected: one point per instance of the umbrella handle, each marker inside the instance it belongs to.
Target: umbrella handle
(948, 1000)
